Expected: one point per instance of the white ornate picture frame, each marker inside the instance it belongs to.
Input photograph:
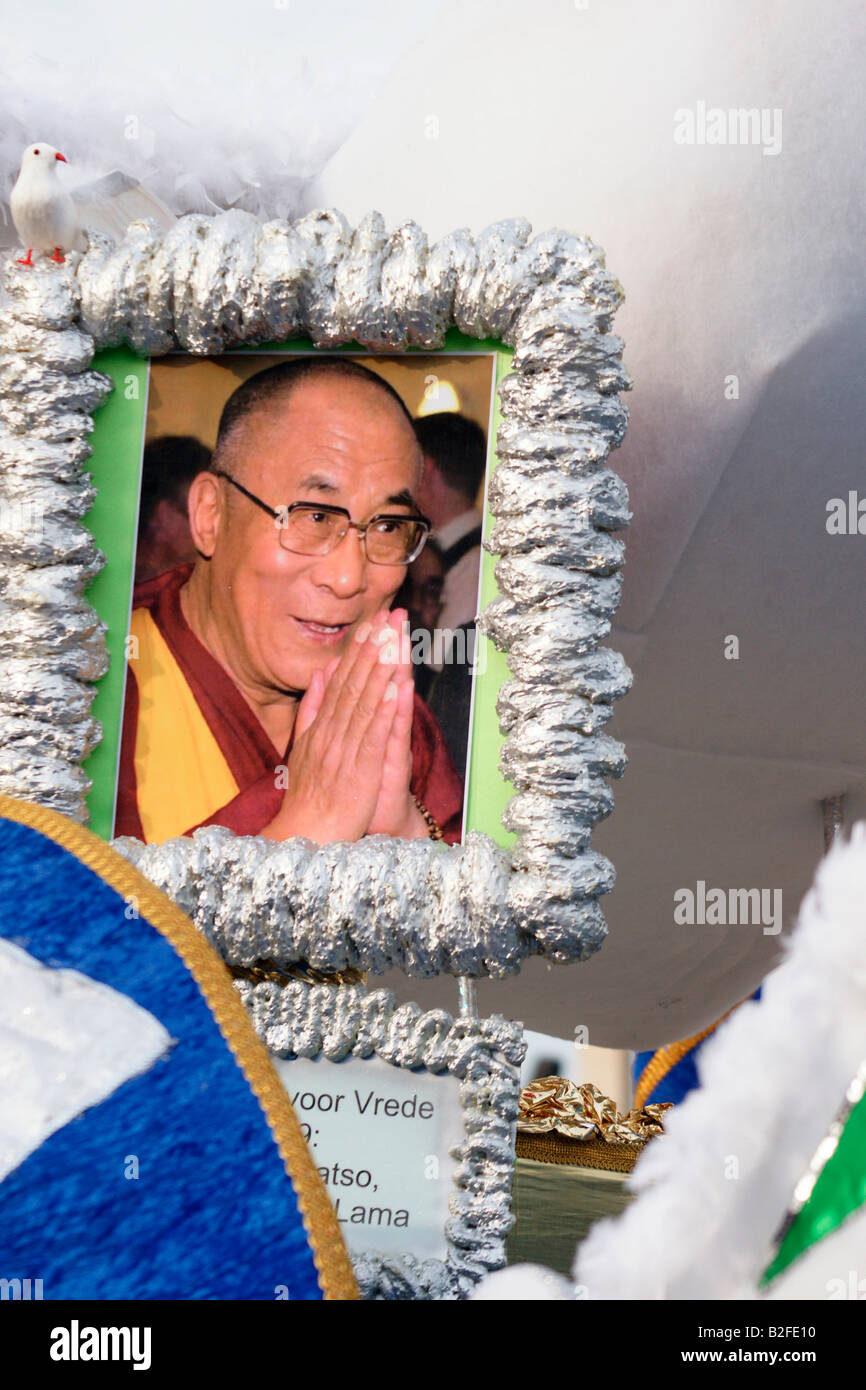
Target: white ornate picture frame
(214, 283)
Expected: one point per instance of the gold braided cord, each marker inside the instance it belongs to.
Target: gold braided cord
(579, 1153)
(333, 1266)
(666, 1058)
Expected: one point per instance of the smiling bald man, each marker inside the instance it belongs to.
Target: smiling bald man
(266, 690)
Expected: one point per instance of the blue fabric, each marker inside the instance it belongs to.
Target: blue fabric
(213, 1213)
(676, 1085)
(682, 1078)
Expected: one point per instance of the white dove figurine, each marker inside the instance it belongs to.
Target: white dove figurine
(50, 216)
(43, 211)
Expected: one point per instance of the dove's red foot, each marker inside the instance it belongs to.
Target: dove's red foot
(58, 256)
(28, 259)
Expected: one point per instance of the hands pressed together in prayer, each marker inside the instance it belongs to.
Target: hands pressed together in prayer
(350, 763)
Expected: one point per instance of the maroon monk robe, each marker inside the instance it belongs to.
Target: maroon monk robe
(243, 741)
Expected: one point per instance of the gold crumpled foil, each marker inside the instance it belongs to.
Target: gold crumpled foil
(584, 1112)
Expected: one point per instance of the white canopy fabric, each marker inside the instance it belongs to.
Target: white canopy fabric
(736, 262)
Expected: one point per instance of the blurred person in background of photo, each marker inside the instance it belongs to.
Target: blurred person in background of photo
(449, 693)
(164, 539)
(421, 596)
(455, 457)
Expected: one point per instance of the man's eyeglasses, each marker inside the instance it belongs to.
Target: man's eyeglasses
(308, 528)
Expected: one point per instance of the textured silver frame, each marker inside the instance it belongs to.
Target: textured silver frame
(212, 283)
(299, 1020)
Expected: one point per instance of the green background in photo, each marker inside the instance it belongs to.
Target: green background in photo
(115, 467)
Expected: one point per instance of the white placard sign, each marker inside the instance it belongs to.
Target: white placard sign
(380, 1136)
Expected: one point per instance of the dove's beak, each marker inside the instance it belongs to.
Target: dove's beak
(61, 156)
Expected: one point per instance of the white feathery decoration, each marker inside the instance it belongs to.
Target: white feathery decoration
(207, 110)
(713, 1190)
(523, 1284)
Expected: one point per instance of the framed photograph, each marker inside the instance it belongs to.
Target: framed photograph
(524, 878)
(204, 761)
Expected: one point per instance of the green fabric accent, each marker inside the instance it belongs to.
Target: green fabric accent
(840, 1189)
